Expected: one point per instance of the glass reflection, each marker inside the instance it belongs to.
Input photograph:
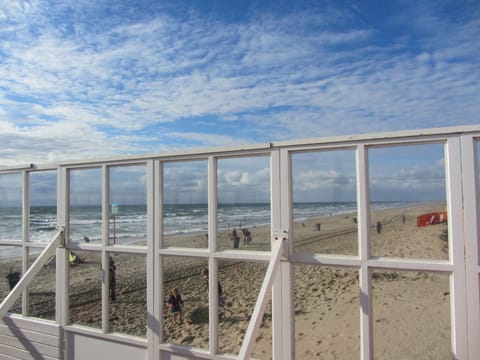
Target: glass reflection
(127, 275)
(327, 322)
(408, 201)
(85, 216)
(11, 207)
(85, 288)
(128, 205)
(324, 202)
(244, 213)
(43, 206)
(411, 315)
(41, 291)
(185, 209)
(187, 323)
(11, 267)
(241, 282)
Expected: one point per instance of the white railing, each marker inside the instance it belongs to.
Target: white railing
(462, 265)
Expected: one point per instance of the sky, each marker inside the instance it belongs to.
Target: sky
(88, 79)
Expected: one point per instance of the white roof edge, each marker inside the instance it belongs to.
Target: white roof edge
(202, 153)
(199, 153)
(416, 133)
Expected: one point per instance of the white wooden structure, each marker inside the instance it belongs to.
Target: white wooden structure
(24, 337)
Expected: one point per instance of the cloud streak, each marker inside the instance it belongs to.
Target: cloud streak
(70, 75)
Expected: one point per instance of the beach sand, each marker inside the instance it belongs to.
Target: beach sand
(410, 309)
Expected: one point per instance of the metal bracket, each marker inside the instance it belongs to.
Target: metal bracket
(280, 235)
(61, 229)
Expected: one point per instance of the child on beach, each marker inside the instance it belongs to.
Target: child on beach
(175, 304)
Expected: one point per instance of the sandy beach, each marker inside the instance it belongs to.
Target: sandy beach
(410, 309)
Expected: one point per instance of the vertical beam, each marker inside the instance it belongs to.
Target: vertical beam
(458, 302)
(105, 242)
(61, 272)
(212, 263)
(26, 235)
(153, 303)
(62, 268)
(366, 327)
(158, 244)
(276, 226)
(283, 334)
(472, 234)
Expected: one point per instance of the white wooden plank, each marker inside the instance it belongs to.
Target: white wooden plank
(37, 325)
(29, 335)
(23, 354)
(32, 347)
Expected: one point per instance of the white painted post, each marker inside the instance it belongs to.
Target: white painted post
(366, 326)
(153, 311)
(471, 225)
(212, 263)
(458, 302)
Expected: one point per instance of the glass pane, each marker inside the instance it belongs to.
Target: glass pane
(86, 205)
(11, 207)
(241, 283)
(43, 206)
(85, 288)
(128, 205)
(41, 291)
(407, 201)
(185, 209)
(187, 323)
(411, 313)
(244, 214)
(128, 294)
(11, 270)
(324, 202)
(327, 318)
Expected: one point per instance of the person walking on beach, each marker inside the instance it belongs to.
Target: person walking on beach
(221, 300)
(379, 227)
(235, 238)
(112, 278)
(247, 236)
(175, 304)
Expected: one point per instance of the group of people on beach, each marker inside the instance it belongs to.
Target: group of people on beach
(247, 237)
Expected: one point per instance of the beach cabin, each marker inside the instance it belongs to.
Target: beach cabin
(94, 253)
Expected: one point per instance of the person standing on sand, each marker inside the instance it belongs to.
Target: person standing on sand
(175, 304)
(247, 236)
(112, 278)
(235, 238)
(221, 300)
(379, 227)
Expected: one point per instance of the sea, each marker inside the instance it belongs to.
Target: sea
(129, 225)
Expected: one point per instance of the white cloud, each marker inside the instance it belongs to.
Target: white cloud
(99, 81)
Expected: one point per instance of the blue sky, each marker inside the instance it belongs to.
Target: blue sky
(82, 79)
